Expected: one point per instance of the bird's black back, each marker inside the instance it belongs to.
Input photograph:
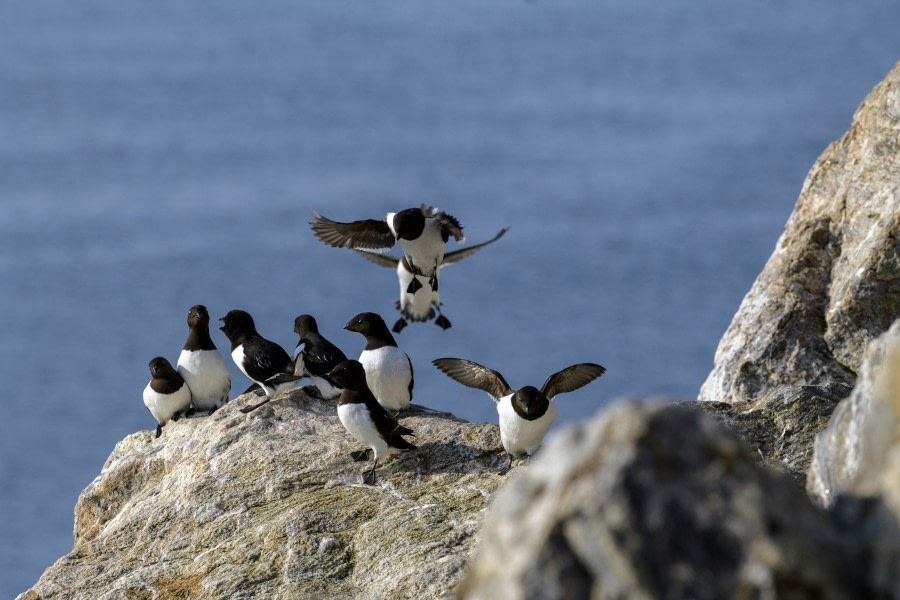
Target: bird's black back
(263, 359)
(319, 355)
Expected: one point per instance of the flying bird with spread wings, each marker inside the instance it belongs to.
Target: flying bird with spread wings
(422, 234)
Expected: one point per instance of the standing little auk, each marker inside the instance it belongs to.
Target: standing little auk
(265, 362)
(389, 372)
(315, 356)
(201, 365)
(422, 233)
(365, 419)
(527, 413)
(421, 306)
(167, 395)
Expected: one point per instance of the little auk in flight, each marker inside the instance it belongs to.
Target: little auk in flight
(201, 365)
(527, 413)
(389, 372)
(265, 362)
(315, 356)
(167, 395)
(365, 419)
(422, 233)
(421, 306)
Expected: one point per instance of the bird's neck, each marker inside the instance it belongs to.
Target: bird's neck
(242, 337)
(198, 339)
(380, 339)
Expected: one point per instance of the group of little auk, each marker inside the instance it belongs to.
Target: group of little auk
(370, 392)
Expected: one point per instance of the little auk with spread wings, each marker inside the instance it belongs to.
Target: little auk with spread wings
(527, 413)
(422, 233)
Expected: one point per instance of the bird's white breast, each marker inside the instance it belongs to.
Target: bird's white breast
(388, 374)
(358, 422)
(426, 251)
(164, 406)
(237, 355)
(519, 435)
(207, 375)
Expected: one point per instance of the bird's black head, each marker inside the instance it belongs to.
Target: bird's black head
(529, 403)
(197, 314)
(367, 323)
(160, 368)
(237, 322)
(409, 223)
(305, 324)
(348, 374)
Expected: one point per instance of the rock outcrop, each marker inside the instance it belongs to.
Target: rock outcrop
(270, 505)
(781, 425)
(832, 284)
(859, 452)
(660, 502)
(643, 501)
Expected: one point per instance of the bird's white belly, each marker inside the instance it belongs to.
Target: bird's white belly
(388, 376)
(519, 435)
(426, 251)
(418, 306)
(164, 406)
(358, 422)
(207, 375)
(327, 390)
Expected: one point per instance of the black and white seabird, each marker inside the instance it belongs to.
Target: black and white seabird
(527, 413)
(265, 362)
(315, 356)
(421, 306)
(422, 233)
(365, 419)
(167, 395)
(201, 365)
(389, 372)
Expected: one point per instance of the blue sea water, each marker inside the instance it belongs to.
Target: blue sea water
(157, 155)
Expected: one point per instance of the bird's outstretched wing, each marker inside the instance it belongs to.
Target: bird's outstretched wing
(571, 378)
(368, 234)
(474, 375)
(449, 224)
(456, 255)
(379, 259)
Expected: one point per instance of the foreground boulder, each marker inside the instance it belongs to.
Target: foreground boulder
(859, 452)
(832, 284)
(662, 502)
(270, 505)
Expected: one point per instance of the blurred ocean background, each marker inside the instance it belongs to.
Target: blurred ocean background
(155, 155)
